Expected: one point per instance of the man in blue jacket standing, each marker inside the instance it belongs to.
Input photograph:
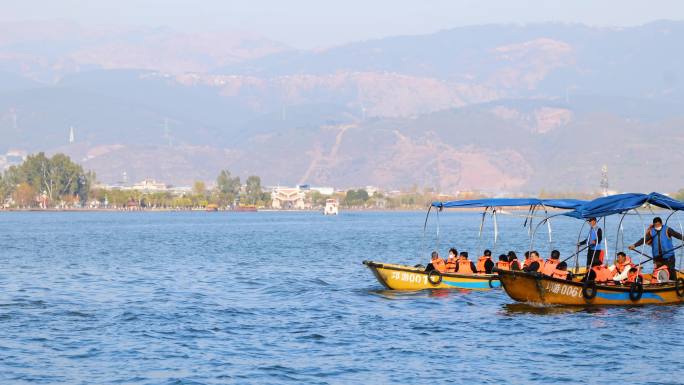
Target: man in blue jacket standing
(660, 237)
(595, 243)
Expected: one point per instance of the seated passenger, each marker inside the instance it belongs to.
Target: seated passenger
(513, 261)
(551, 263)
(620, 268)
(437, 263)
(485, 263)
(526, 261)
(533, 263)
(561, 272)
(660, 272)
(452, 260)
(633, 274)
(465, 266)
(503, 263)
(599, 273)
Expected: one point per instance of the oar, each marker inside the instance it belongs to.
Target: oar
(645, 255)
(578, 251)
(650, 258)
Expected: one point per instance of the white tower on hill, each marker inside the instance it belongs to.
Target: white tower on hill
(604, 180)
(71, 135)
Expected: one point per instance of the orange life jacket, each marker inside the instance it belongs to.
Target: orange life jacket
(529, 261)
(656, 273)
(451, 265)
(549, 266)
(481, 264)
(503, 265)
(464, 266)
(439, 265)
(620, 267)
(631, 277)
(602, 273)
(561, 274)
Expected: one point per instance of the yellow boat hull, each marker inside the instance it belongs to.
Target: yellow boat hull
(401, 277)
(535, 288)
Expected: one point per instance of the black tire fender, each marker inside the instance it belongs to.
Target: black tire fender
(679, 287)
(636, 290)
(589, 290)
(431, 278)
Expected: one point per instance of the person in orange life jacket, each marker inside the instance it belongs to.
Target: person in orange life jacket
(485, 263)
(561, 271)
(660, 272)
(533, 263)
(465, 266)
(633, 274)
(550, 264)
(513, 261)
(452, 260)
(525, 261)
(620, 268)
(594, 240)
(437, 263)
(660, 239)
(503, 263)
(599, 273)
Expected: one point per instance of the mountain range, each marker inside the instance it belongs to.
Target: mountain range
(497, 108)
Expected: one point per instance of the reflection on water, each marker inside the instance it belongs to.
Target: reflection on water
(524, 308)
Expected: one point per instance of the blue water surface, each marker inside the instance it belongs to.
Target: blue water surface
(273, 298)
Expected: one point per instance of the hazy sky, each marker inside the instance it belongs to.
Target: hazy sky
(318, 23)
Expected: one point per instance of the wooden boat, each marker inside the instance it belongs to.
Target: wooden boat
(538, 289)
(401, 277)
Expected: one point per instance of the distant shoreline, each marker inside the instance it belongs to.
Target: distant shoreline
(150, 210)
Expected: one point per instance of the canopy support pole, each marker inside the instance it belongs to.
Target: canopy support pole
(422, 242)
(579, 236)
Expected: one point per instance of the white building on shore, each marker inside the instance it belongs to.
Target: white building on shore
(289, 198)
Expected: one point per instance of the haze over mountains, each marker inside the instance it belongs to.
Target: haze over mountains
(494, 108)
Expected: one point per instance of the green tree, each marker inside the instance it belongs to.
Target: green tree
(228, 187)
(253, 189)
(356, 197)
(59, 177)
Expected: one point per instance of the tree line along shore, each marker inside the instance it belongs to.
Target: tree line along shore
(58, 183)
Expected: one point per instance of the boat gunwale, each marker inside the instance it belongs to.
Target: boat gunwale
(484, 277)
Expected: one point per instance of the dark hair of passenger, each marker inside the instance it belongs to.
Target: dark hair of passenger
(503, 258)
(434, 254)
(464, 254)
(488, 253)
(657, 220)
(555, 254)
(453, 250)
(621, 254)
(535, 253)
(562, 266)
(512, 256)
(527, 254)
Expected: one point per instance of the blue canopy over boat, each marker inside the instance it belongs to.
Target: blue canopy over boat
(569, 204)
(616, 204)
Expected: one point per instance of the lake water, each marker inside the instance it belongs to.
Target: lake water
(272, 298)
